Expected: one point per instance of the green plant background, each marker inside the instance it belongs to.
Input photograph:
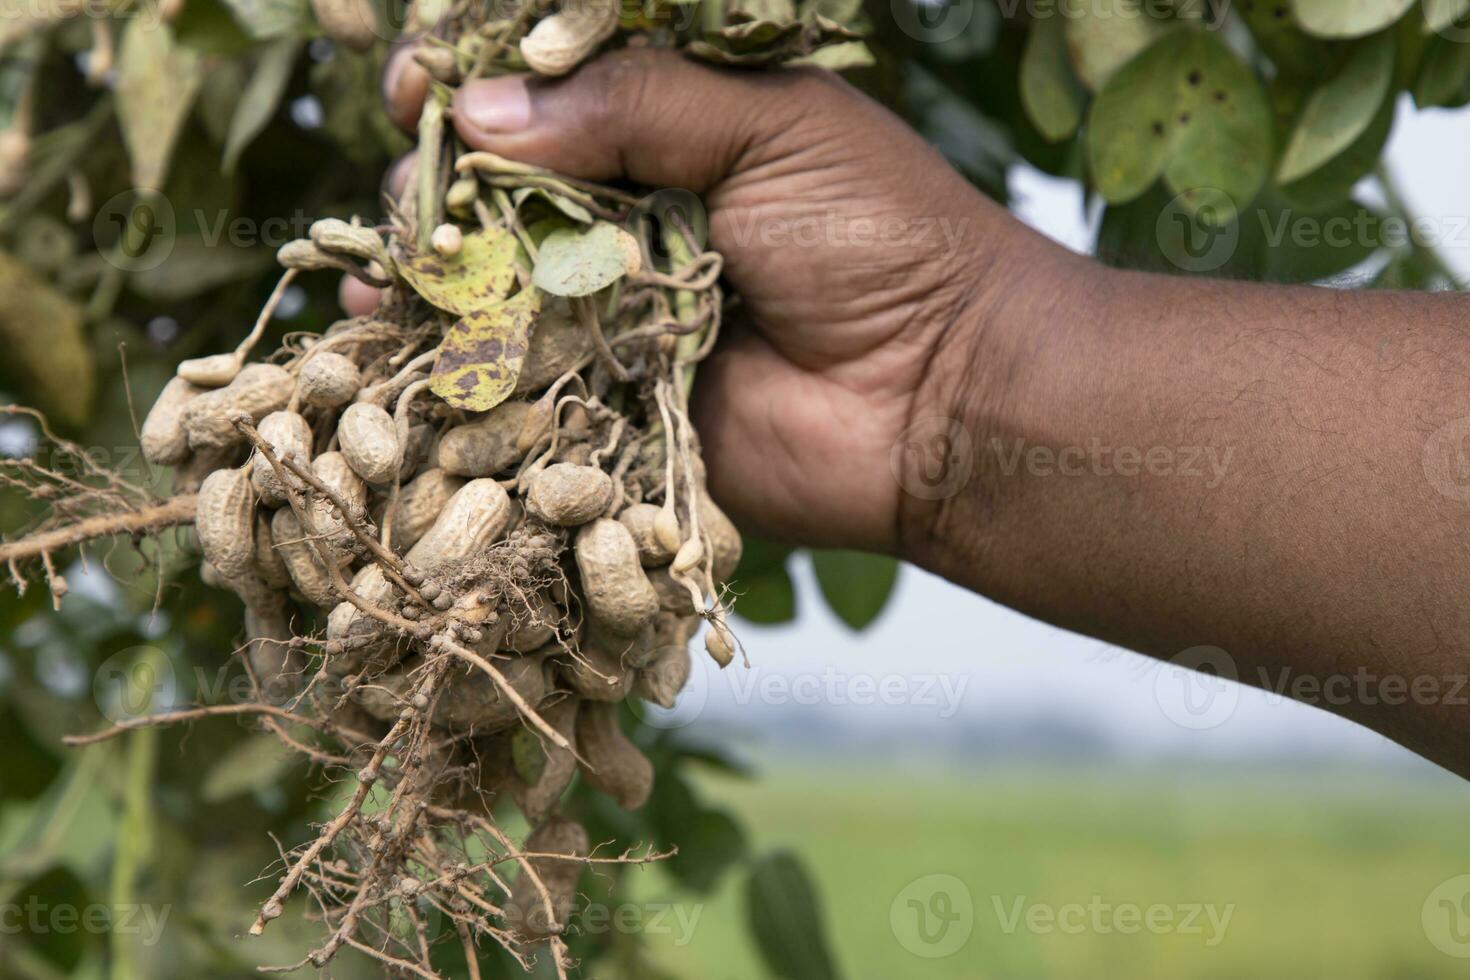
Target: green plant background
(241, 111)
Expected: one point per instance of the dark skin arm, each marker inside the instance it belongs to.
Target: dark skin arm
(1261, 469)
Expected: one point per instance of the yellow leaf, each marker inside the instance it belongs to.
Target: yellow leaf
(480, 357)
(479, 276)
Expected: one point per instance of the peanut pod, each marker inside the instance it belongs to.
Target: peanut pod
(419, 504)
(568, 495)
(640, 519)
(477, 514)
(163, 438)
(485, 447)
(369, 440)
(225, 522)
(537, 800)
(614, 765)
(525, 911)
(308, 574)
(289, 436)
(257, 390)
(328, 380)
(618, 594)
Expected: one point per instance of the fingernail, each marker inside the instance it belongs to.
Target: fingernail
(495, 105)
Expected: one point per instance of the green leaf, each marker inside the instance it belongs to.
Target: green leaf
(1292, 52)
(478, 277)
(1439, 14)
(855, 584)
(786, 918)
(207, 26)
(1273, 240)
(565, 205)
(194, 267)
(528, 756)
(1186, 109)
(262, 95)
(480, 357)
(1104, 35)
(839, 57)
(1049, 92)
(255, 762)
(156, 84)
(1334, 181)
(767, 599)
(1340, 110)
(1347, 18)
(573, 262)
(766, 593)
(269, 19)
(709, 841)
(1444, 75)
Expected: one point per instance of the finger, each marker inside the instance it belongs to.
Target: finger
(357, 298)
(396, 179)
(405, 86)
(652, 116)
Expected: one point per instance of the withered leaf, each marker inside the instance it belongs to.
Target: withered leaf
(480, 357)
(478, 277)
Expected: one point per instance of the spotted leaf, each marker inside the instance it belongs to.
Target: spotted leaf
(478, 277)
(480, 357)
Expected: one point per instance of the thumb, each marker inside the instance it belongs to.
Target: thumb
(651, 116)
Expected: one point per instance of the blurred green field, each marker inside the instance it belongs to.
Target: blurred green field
(1322, 875)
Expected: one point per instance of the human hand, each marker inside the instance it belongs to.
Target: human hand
(864, 262)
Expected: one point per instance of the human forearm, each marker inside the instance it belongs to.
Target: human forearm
(1169, 463)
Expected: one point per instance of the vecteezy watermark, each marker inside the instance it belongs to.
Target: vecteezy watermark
(138, 229)
(143, 680)
(1202, 237)
(677, 920)
(942, 692)
(149, 12)
(835, 230)
(1197, 689)
(1445, 916)
(1365, 687)
(933, 916)
(1198, 237)
(33, 917)
(1447, 459)
(1097, 459)
(933, 458)
(1097, 915)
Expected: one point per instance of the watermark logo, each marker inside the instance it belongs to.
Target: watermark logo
(1446, 917)
(932, 21)
(671, 208)
(135, 230)
(1198, 238)
(1098, 915)
(933, 458)
(1197, 688)
(933, 916)
(690, 701)
(1447, 461)
(133, 683)
(1205, 463)
(34, 917)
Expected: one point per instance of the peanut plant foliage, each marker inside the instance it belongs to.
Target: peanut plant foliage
(433, 562)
